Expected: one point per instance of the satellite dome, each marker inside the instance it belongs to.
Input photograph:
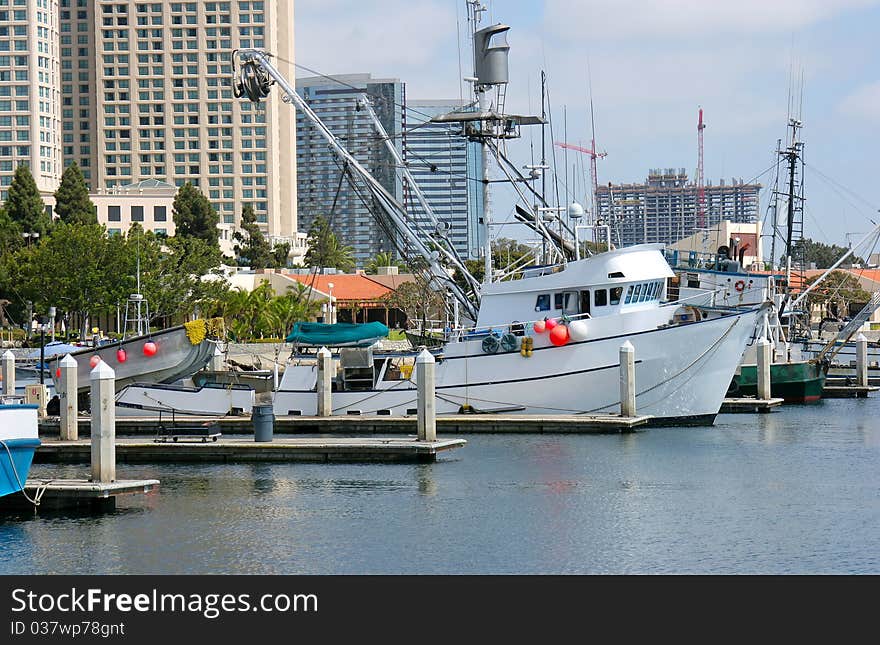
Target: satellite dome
(575, 210)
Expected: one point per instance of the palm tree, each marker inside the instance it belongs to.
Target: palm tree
(382, 259)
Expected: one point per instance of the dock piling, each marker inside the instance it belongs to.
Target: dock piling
(103, 428)
(426, 406)
(861, 361)
(325, 386)
(67, 396)
(764, 360)
(8, 371)
(627, 380)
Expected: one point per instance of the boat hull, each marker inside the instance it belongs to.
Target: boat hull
(176, 358)
(796, 382)
(18, 441)
(682, 373)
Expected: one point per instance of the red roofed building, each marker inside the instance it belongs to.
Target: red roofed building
(357, 297)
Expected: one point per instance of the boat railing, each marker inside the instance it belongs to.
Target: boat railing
(516, 327)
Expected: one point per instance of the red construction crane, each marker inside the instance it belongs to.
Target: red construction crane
(701, 181)
(594, 178)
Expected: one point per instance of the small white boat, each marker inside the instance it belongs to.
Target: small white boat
(18, 441)
(153, 399)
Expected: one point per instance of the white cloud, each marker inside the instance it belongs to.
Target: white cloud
(864, 103)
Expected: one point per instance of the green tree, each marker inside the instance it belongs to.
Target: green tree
(281, 254)
(10, 234)
(76, 268)
(383, 259)
(179, 275)
(325, 249)
(24, 205)
(194, 216)
(252, 247)
(836, 293)
(824, 255)
(72, 203)
(418, 300)
(261, 314)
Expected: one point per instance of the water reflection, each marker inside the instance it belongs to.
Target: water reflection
(793, 491)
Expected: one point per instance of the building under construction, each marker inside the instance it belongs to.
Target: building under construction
(666, 208)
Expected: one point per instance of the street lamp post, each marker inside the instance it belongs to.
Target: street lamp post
(30, 236)
(331, 308)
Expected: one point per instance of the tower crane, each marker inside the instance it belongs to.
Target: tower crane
(701, 180)
(594, 179)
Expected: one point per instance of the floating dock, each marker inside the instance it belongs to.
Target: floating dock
(55, 494)
(357, 424)
(239, 450)
(848, 391)
(749, 405)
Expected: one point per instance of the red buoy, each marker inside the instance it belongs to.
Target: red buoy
(94, 360)
(559, 335)
(57, 372)
(150, 348)
(539, 327)
(121, 356)
(550, 323)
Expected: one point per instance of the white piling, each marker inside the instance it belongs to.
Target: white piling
(764, 350)
(426, 406)
(103, 429)
(627, 380)
(861, 361)
(218, 360)
(325, 384)
(67, 398)
(8, 371)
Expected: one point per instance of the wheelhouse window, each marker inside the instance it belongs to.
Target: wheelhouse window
(585, 302)
(543, 302)
(570, 303)
(558, 300)
(600, 297)
(615, 294)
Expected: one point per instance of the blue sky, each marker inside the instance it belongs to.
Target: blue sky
(652, 65)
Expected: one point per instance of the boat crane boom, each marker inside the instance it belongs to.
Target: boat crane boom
(254, 81)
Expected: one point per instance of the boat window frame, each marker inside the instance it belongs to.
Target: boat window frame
(569, 297)
(611, 298)
(585, 296)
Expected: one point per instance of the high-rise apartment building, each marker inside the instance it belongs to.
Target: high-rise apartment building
(665, 208)
(448, 169)
(30, 68)
(322, 189)
(146, 94)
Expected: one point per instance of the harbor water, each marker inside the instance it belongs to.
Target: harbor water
(794, 491)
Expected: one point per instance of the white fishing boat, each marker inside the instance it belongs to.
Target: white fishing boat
(511, 359)
(683, 368)
(18, 441)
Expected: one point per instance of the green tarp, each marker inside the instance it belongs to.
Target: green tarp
(347, 334)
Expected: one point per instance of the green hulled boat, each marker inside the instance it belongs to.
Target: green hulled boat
(796, 382)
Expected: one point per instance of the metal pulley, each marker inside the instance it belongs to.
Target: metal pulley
(253, 82)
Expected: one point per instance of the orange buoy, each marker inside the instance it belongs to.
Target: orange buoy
(559, 335)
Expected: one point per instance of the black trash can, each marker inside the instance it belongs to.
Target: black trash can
(263, 418)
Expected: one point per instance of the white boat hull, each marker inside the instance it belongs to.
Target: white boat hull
(148, 400)
(682, 375)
